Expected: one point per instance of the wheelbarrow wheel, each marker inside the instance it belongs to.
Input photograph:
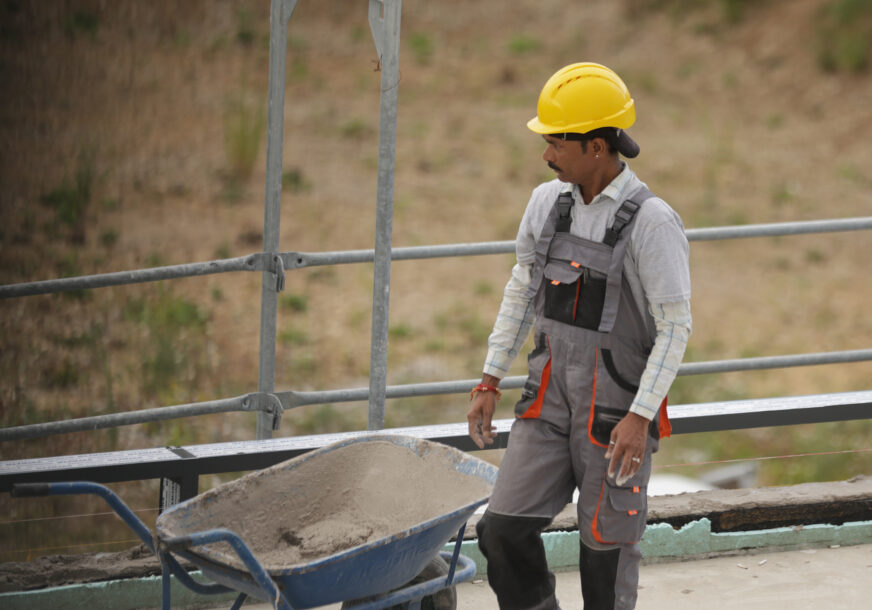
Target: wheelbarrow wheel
(446, 599)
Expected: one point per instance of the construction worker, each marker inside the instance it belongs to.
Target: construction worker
(602, 272)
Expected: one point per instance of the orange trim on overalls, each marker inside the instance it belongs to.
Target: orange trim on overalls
(596, 535)
(534, 410)
(577, 291)
(592, 403)
(664, 427)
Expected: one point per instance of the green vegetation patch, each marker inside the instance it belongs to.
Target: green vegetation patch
(844, 36)
(175, 330)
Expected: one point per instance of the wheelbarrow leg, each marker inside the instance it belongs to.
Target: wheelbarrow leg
(453, 565)
(239, 601)
(166, 592)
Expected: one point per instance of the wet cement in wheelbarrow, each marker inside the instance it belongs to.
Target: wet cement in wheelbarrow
(343, 498)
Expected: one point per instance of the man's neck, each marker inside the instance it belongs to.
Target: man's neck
(600, 181)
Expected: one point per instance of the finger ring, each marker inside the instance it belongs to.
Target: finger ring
(611, 442)
(635, 459)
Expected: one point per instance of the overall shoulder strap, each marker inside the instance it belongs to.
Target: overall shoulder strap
(558, 221)
(623, 218)
(564, 209)
(625, 214)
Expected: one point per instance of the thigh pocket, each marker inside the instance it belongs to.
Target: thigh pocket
(533, 394)
(620, 514)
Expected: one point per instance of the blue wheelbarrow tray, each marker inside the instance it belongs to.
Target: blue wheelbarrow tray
(351, 520)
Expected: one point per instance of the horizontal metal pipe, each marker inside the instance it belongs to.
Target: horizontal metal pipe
(299, 260)
(774, 362)
(291, 399)
(780, 229)
(113, 420)
(251, 262)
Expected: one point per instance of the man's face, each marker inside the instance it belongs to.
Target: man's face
(568, 159)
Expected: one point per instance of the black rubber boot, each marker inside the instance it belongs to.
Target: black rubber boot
(517, 569)
(599, 572)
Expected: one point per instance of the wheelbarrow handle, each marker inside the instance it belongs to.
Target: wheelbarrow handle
(32, 490)
(260, 575)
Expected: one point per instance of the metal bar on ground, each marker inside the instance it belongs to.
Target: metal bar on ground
(384, 21)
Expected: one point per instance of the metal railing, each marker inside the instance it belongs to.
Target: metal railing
(272, 404)
(384, 16)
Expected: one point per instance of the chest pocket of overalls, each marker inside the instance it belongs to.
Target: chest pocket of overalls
(575, 280)
(574, 294)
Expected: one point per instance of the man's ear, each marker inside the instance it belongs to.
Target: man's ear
(600, 146)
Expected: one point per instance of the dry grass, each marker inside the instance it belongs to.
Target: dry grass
(737, 124)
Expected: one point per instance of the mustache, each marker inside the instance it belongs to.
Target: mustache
(554, 167)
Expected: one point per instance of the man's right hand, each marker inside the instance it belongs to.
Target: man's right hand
(481, 413)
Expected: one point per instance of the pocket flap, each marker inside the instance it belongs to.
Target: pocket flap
(562, 272)
(627, 499)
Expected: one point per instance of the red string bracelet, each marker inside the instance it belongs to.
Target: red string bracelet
(483, 387)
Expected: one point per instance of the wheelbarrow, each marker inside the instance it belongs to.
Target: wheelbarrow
(352, 522)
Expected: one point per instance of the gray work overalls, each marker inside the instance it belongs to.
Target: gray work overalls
(591, 347)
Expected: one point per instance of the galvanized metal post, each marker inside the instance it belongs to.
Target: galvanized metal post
(384, 21)
(280, 14)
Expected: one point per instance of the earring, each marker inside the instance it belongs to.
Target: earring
(597, 156)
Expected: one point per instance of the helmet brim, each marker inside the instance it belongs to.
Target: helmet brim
(621, 141)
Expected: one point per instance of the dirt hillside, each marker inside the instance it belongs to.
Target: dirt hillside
(131, 135)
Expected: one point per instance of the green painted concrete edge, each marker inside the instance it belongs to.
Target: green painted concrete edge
(127, 594)
(660, 541)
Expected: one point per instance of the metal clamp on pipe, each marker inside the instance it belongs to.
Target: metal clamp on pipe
(279, 271)
(266, 402)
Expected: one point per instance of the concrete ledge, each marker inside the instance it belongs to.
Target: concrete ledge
(127, 594)
(680, 527)
(768, 507)
(758, 508)
(662, 542)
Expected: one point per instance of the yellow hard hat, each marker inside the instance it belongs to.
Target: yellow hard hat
(582, 97)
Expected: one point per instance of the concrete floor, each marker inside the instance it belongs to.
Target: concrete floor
(831, 578)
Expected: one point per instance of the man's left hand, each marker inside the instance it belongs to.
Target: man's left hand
(627, 447)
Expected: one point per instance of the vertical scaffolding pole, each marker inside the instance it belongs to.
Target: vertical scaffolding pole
(272, 279)
(384, 21)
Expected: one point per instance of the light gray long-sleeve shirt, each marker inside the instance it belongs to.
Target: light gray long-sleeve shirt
(656, 267)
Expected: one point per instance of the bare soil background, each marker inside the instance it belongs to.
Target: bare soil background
(125, 138)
